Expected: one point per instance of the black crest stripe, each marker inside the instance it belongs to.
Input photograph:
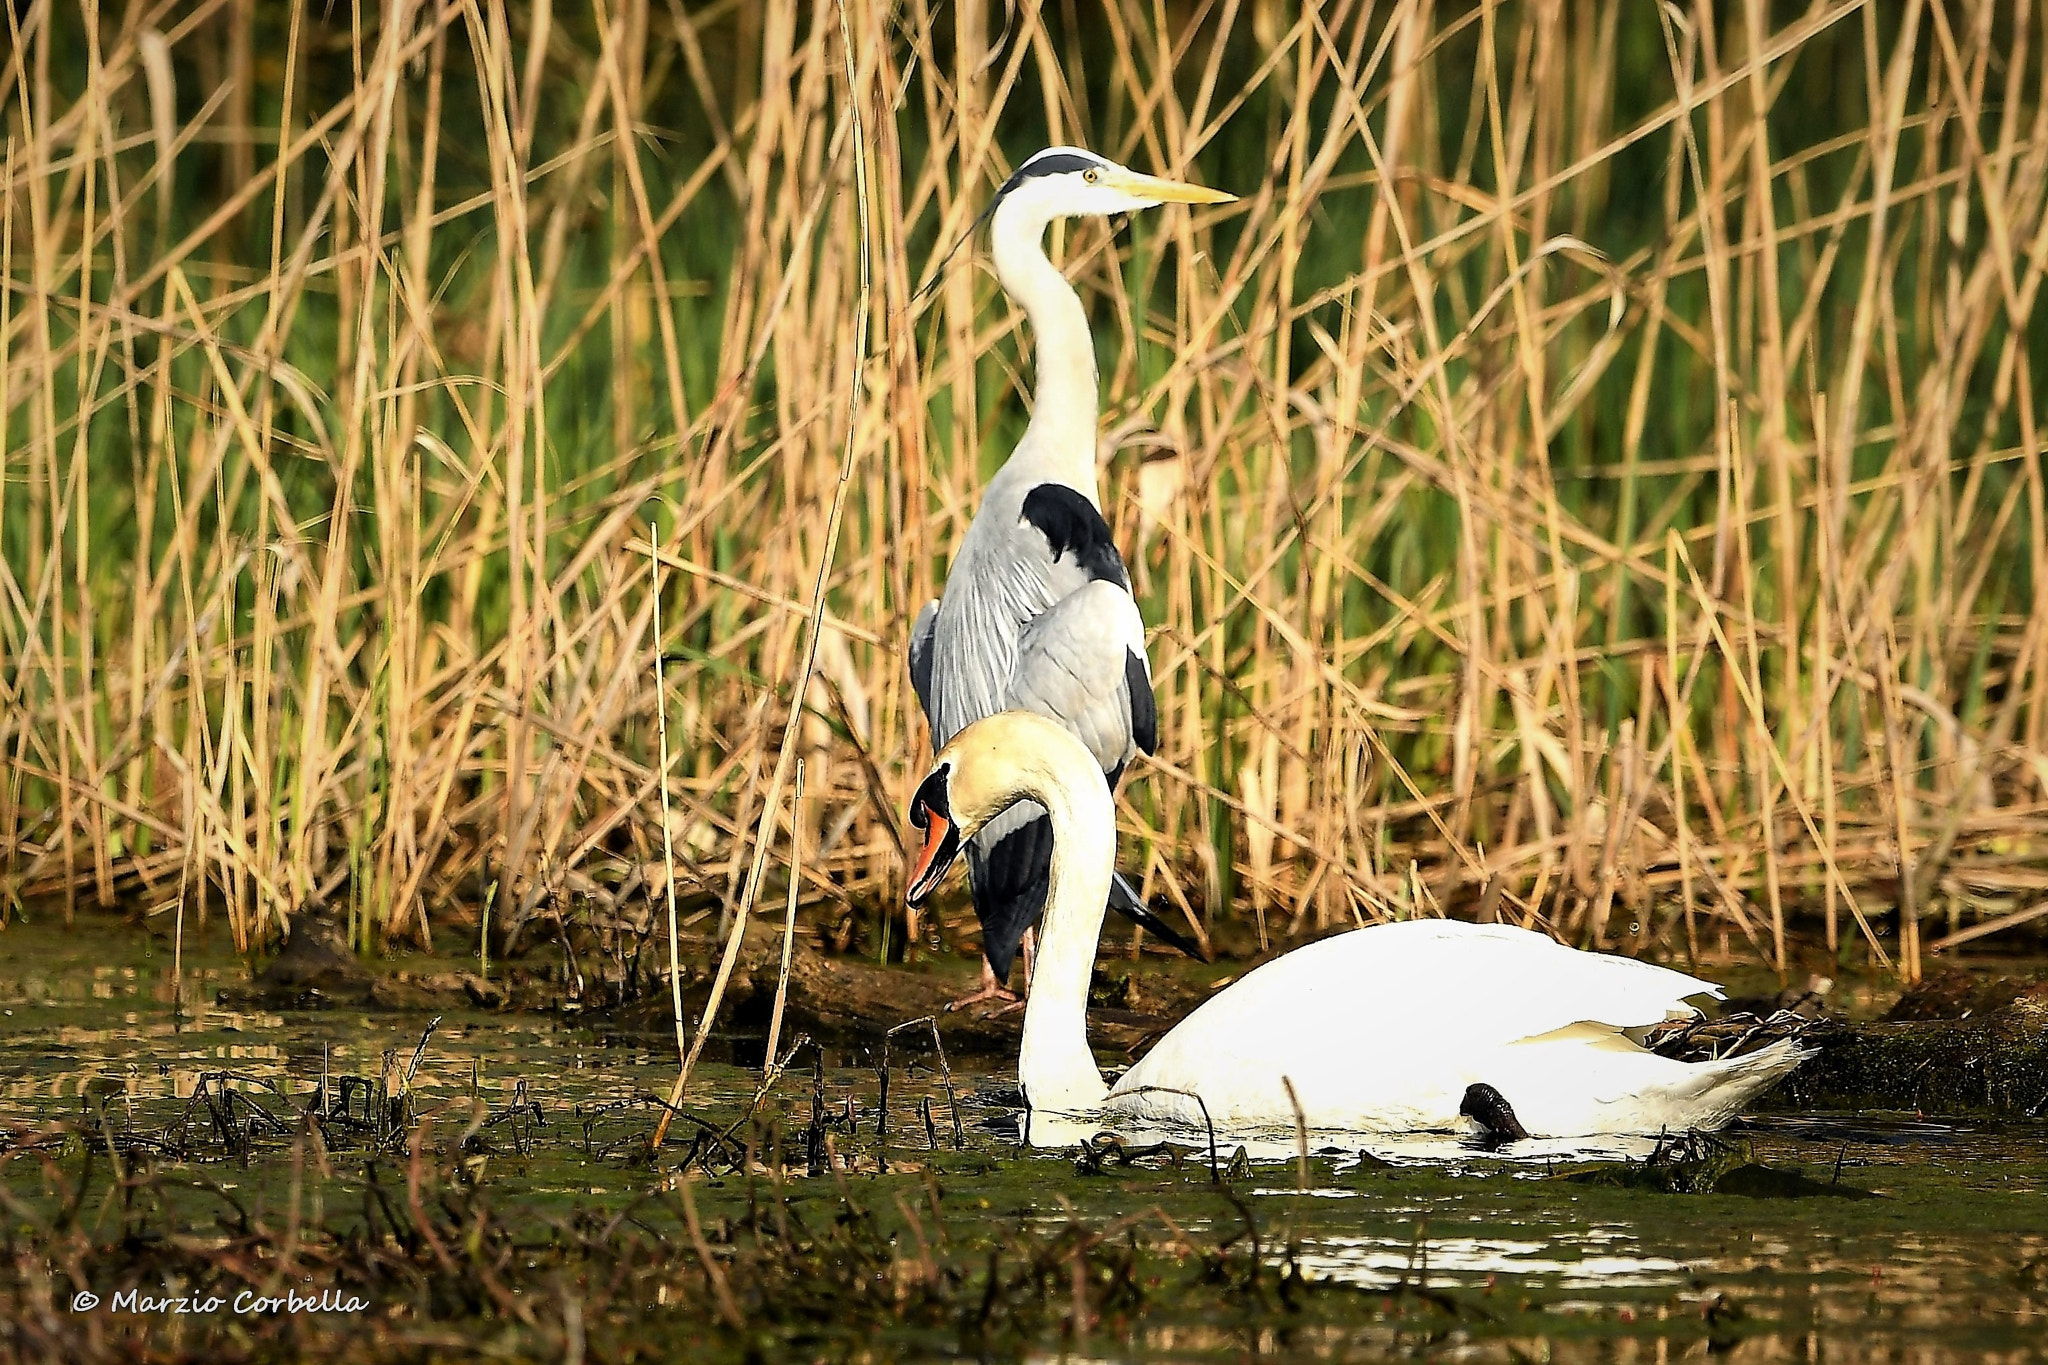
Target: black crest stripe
(1057, 164)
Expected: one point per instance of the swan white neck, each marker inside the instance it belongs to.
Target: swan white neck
(1055, 1068)
(1061, 436)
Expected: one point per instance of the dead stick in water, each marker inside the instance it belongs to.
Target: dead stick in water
(833, 519)
(796, 863)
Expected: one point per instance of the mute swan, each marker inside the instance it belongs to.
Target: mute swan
(1405, 1027)
(1037, 613)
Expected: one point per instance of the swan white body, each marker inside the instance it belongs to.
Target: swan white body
(1382, 1030)
(1379, 1030)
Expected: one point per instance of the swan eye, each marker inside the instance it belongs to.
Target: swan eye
(1091, 175)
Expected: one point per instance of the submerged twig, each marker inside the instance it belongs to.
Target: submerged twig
(931, 1021)
(1215, 1175)
(1300, 1136)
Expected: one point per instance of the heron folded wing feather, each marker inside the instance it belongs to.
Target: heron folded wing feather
(1009, 867)
(921, 658)
(1032, 544)
(1144, 707)
(1072, 665)
(1000, 582)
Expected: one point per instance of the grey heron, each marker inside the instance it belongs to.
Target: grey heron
(1037, 612)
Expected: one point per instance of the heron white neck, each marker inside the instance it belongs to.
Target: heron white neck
(1055, 1068)
(1064, 408)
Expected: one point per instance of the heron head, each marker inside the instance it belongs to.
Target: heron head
(1069, 182)
(989, 767)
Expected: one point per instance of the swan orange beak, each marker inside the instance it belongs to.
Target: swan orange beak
(941, 847)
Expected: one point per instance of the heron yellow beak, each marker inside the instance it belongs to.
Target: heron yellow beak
(1164, 191)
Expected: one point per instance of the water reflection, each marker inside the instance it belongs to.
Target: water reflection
(289, 1057)
(71, 1031)
(1383, 1262)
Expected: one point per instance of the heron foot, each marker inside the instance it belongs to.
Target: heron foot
(988, 991)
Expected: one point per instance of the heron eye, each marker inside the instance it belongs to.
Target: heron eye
(1091, 175)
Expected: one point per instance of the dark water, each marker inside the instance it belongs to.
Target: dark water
(1948, 1263)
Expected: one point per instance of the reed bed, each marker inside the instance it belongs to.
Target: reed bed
(1592, 478)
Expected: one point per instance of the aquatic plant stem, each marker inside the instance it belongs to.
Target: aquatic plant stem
(727, 1307)
(833, 521)
(483, 934)
(796, 854)
(178, 948)
(668, 843)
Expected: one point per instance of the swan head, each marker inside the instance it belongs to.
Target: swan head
(989, 767)
(1072, 182)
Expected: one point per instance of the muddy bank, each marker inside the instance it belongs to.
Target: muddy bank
(837, 999)
(1956, 1044)
(848, 1000)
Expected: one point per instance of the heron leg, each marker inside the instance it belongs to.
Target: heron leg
(1027, 949)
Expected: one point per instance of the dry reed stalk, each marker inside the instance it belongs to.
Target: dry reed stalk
(801, 688)
(728, 1308)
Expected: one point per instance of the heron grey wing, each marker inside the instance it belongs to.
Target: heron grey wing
(1029, 548)
(921, 633)
(1075, 664)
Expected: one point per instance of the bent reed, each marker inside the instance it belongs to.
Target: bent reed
(1592, 479)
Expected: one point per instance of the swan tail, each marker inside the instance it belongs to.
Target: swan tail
(1722, 1088)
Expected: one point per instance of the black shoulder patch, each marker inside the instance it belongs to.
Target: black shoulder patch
(1071, 525)
(1144, 709)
